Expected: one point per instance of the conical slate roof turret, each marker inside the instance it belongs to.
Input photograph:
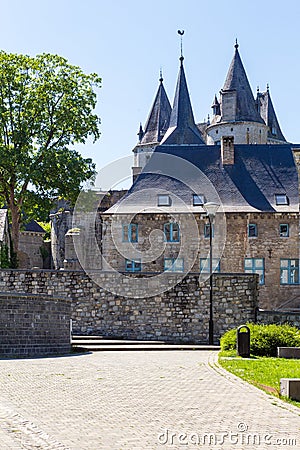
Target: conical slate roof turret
(267, 112)
(216, 107)
(237, 80)
(159, 117)
(182, 128)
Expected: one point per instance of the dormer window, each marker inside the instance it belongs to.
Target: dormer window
(163, 200)
(198, 200)
(281, 199)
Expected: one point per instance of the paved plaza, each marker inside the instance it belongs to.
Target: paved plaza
(138, 400)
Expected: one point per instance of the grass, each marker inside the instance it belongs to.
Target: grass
(263, 372)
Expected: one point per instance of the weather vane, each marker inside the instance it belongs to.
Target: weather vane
(181, 33)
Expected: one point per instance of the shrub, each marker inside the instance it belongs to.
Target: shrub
(264, 339)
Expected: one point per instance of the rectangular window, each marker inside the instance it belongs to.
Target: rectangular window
(130, 233)
(205, 262)
(252, 230)
(172, 233)
(207, 230)
(284, 230)
(289, 271)
(163, 200)
(256, 265)
(173, 264)
(281, 199)
(133, 265)
(198, 200)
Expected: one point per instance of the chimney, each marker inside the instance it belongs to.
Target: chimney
(136, 171)
(227, 150)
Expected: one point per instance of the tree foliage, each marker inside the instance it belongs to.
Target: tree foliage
(46, 106)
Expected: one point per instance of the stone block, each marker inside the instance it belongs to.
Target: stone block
(288, 352)
(290, 387)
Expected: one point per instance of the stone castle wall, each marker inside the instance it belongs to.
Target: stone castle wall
(268, 245)
(243, 132)
(30, 250)
(279, 317)
(34, 325)
(180, 314)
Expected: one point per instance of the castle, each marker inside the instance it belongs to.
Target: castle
(239, 160)
(236, 113)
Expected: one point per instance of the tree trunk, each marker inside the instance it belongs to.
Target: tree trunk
(15, 226)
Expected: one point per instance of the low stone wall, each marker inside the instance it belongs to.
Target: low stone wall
(34, 325)
(180, 314)
(279, 317)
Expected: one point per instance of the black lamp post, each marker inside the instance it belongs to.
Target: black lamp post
(211, 209)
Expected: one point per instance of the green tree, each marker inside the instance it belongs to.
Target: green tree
(46, 106)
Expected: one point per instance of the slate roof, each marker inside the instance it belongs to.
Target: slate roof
(182, 127)
(250, 185)
(268, 114)
(159, 117)
(237, 80)
(34, 227)
(3, 219)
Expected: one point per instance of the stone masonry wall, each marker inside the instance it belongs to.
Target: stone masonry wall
(179, 314)
(34, 325)
(279, 317)
(243, 132)
(267, 245)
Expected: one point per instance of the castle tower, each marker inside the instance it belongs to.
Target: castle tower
(182, 127)
(236, 113)
(267, 112)
(155, 129)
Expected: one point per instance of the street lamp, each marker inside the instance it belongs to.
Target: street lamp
(211, 209)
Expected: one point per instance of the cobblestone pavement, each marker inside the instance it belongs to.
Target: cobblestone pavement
(138, 400)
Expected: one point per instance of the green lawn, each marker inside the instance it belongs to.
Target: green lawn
(263, 372)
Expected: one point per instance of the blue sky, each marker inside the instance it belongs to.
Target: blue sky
(127, 42)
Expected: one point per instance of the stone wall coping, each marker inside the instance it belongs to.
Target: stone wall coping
(277, 311)
(107, 272)
(33, 296)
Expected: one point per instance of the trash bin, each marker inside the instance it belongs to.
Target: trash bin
(243, 341)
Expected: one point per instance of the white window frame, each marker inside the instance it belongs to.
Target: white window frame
(198, 200)
(281, 199)
(163, 200)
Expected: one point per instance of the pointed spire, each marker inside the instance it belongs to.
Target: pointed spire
(236, 80)
(269, 116)
(216, 107)
(159, 117)
(182, 128)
